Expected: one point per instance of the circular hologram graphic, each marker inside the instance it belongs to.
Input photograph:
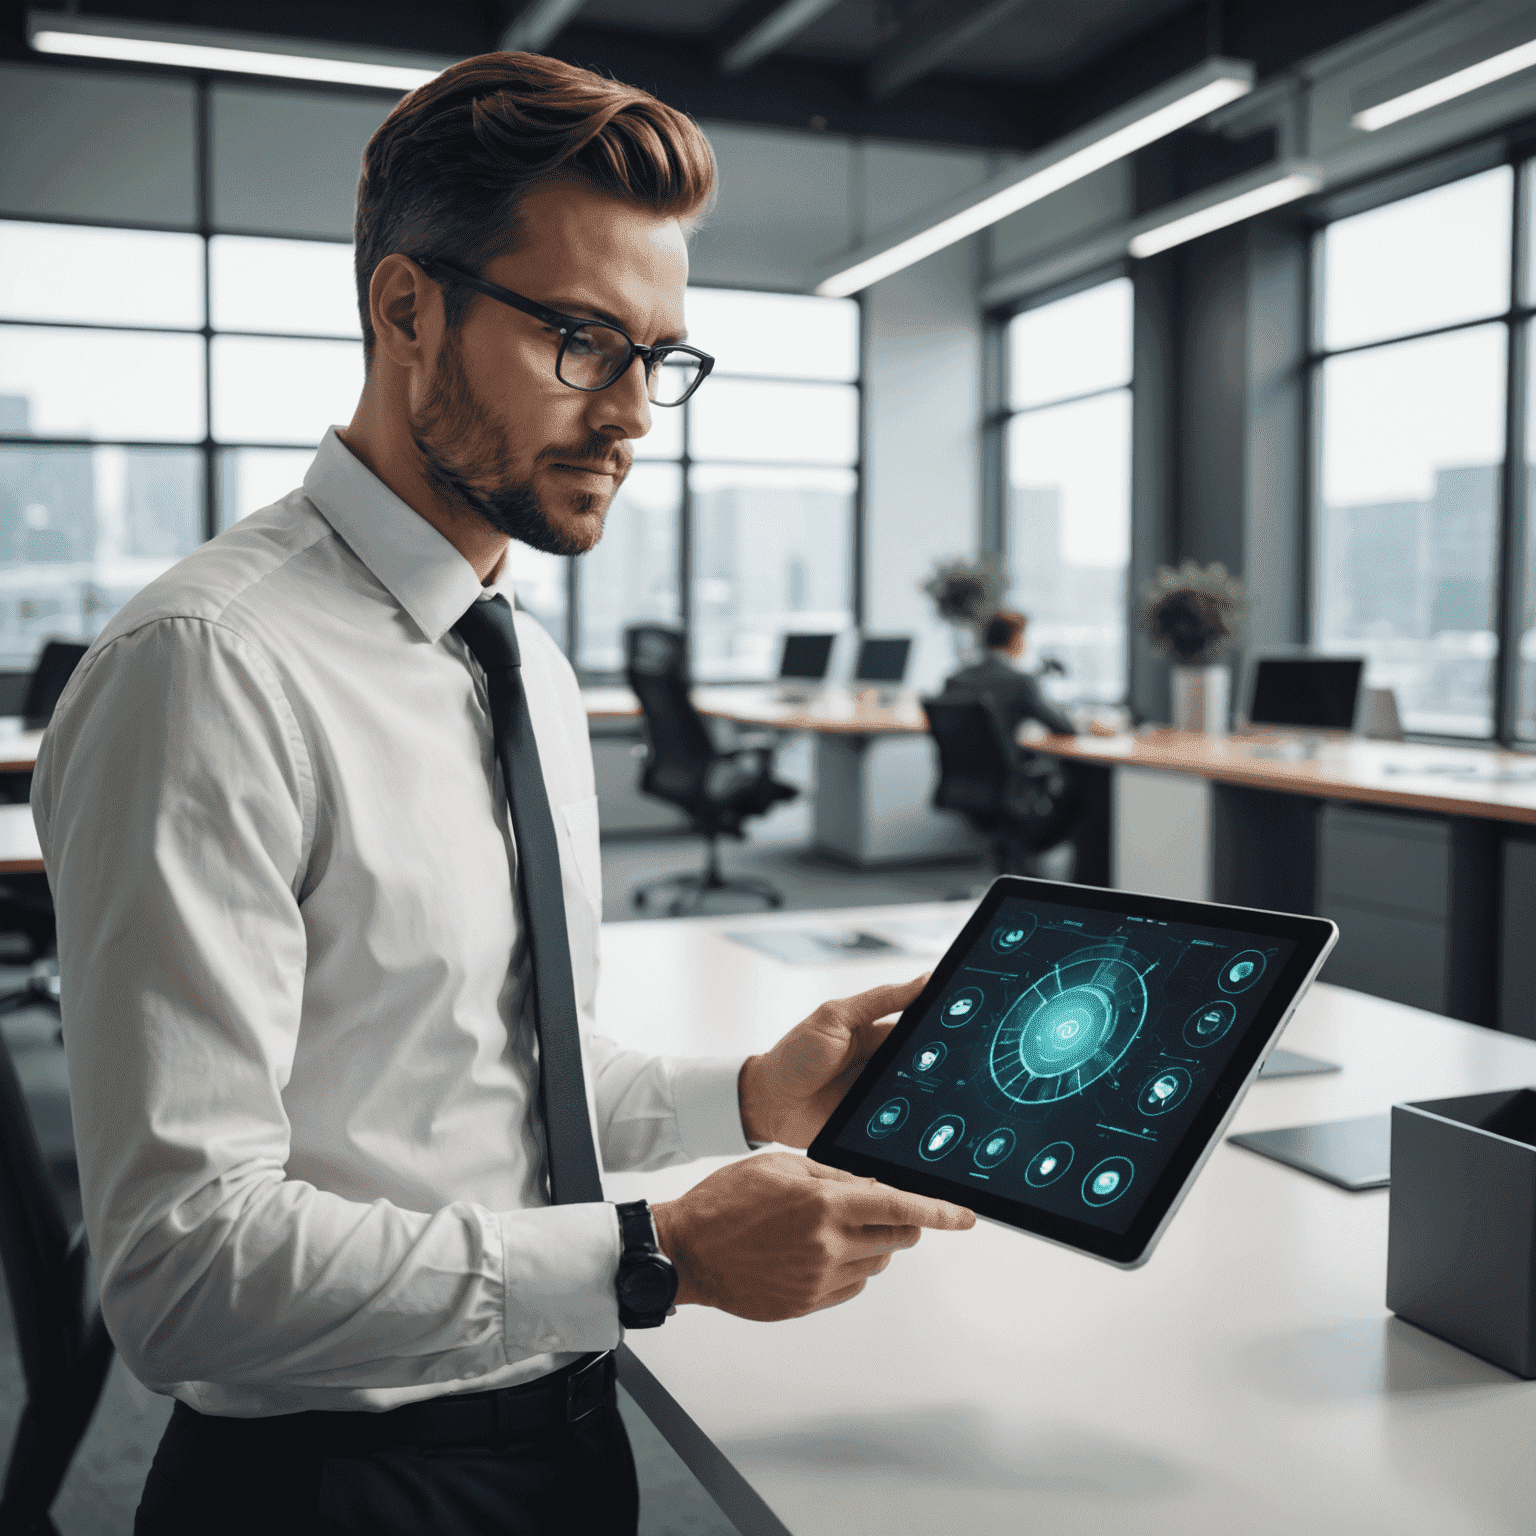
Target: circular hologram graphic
(1013, 935)
(942, 1137)
(1105, 1182)
(1164, 1090)
(931, 1057)
(995, 1148)
(1241, 971)
(1206, 1025)
(1070, 1028)
(1048, 1164)
(891, 1116)
(961, 1007)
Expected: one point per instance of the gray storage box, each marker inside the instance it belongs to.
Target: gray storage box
(1461, 1247)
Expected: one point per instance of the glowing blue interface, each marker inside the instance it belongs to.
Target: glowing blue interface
(1067, 1056)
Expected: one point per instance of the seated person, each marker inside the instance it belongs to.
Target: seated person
(1016, 695)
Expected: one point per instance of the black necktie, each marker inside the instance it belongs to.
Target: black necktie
(488, 631)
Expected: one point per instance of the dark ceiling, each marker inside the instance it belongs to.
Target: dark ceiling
(1003, 74)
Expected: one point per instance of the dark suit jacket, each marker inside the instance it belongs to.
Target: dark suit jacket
(1016, 695)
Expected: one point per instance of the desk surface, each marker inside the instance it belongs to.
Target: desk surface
(19, 849)
(1456, 781)
(1249, 1379)
(832, 711)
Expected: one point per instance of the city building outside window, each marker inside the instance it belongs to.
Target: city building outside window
(1068, 519)
(1418, 314)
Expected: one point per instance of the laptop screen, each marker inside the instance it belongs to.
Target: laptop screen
(806, 657)
(883, 661)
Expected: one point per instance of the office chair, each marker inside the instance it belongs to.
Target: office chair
(718, 790)
(1022, 802)
(55, 665)
(65, 1350)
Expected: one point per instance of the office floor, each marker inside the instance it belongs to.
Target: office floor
(101, 1491)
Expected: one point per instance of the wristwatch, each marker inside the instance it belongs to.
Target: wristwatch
(647, 1283)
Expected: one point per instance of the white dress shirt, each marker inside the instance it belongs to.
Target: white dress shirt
(301, 1060)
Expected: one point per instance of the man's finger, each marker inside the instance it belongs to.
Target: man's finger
(868, 1242)
(866, 1007)
(880, 1206)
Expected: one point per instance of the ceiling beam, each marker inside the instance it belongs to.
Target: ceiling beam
(933, 34)
(770, 32)
(536, 25)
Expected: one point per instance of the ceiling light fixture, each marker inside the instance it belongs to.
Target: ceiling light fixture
(1273, 191)
(1151, 117)
(1447, 88)
(100, 37)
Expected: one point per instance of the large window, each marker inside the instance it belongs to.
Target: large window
(738, 515)
(1069, 483)
(156, 385)
(1419, 312)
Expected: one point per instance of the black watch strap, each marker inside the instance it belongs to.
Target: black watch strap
(647, 1282)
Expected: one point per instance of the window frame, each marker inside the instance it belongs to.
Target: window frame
(1518, 319)
(998, 413)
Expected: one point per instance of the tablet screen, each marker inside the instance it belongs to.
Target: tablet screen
(1062, 1062)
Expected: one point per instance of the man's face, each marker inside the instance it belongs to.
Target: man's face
(499, 434)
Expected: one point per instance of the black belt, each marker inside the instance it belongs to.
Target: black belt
(472, 1418)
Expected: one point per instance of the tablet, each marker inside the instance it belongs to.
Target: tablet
(1074, 1058)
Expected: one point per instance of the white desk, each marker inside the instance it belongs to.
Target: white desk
(1249, 1380)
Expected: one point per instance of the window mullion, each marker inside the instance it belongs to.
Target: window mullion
(1514, 511)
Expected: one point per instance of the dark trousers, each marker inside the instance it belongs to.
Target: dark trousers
(335, 1474)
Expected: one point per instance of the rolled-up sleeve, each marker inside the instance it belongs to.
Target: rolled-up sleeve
(176, 806)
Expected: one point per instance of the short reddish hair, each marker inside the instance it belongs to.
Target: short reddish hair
(443, 175)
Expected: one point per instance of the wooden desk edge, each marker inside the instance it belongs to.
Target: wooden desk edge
(1273, 776)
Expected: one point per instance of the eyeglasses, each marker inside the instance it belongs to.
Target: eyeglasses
(593, 354)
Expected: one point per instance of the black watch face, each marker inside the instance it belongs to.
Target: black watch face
(649, 1286)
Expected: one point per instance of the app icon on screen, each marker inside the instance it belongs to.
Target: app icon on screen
(1012, 935)
(891, 1116)
(1105, 1182)
(1241, 971)
(1166, 1089)
(942, 1137)
(1048, 1164)
(1208, 1023)
(995, 1148)
(961, 1007)
(931, 1057)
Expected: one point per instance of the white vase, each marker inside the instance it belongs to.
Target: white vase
(1200, 697)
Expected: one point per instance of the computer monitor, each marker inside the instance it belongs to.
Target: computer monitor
(1317, 693)
(882, 660)
(805, 658)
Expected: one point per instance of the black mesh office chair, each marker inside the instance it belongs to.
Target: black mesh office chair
(1022, 802)
(65, 1350)
(719, 790)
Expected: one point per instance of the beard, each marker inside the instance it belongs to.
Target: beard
(468, 462)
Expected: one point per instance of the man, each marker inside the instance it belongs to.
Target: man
(319, 817)
(1016, 695)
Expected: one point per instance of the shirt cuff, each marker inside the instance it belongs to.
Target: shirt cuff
(559, 1266)
(707, 1104)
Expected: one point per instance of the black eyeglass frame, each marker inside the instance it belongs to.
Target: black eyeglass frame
(653, 358)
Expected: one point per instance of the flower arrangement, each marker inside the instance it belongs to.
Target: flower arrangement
(967, 592)
(1193, 614)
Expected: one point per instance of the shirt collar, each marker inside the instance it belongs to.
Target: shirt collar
(419, 568)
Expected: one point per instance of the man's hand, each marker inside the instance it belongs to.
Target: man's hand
(787, 1094)
(778, 1236)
